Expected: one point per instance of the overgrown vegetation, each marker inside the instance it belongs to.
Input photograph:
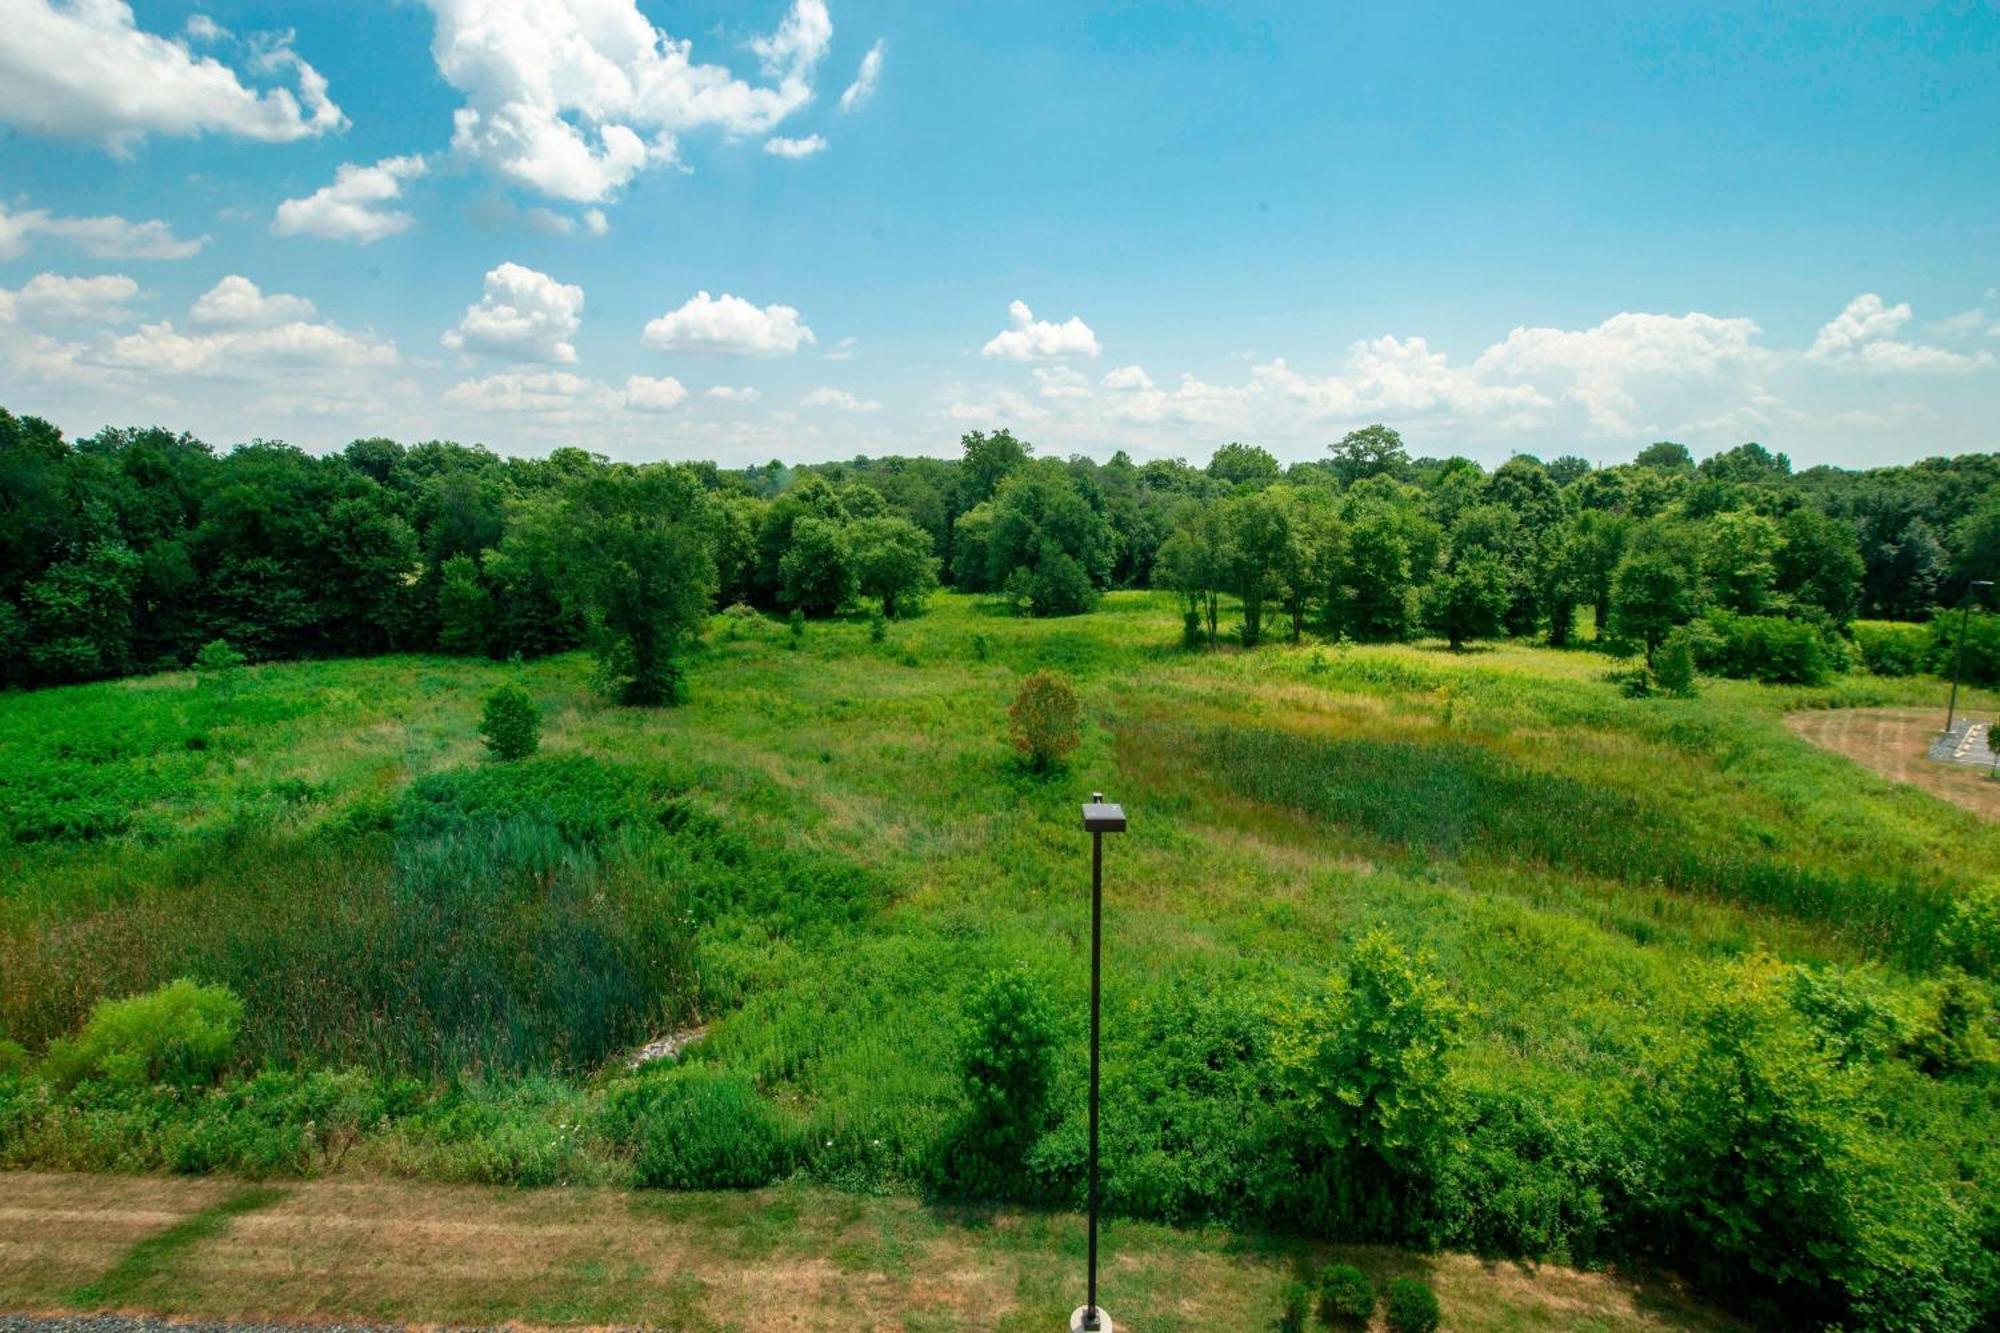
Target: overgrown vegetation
(1474, 949)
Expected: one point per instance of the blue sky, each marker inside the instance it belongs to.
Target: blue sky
(1150, 226)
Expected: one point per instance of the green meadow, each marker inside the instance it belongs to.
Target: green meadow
(825, 853)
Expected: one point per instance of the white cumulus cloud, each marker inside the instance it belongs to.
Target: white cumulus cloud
(794, 148)
(865, 78)
(643, 393)
(1863, 337)
(840, 400)
(728, 325)
(108, 237)
(239, 332)
(573, 98)
(528, 391)
(729, 393)
(523, 315)
(83, 69)
(1031, 339)
(238, 303)
(351, 209)
(50, 298)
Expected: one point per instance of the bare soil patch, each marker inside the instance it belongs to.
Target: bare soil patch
(1894, 742)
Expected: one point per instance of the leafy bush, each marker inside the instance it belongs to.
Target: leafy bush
(217, 662)
(1982, 644)
(1893, 648)
(1770, 649)
(1673, 665)
(796, 624)
(183, 1034)
(1346, 1296)
(1294, 1307)
(1769, 1183)
(1045, 717)
(692, 1127)
(1972, 938)
(14, 1059)
(280, 1122)
(510, 723)
(1633, 682)
(878, 625)
(1006, 1066)
(1954, 1037)
(1413, 1307)
(1370, 1106)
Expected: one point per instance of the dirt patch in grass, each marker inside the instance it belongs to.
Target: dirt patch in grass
(1895, 742)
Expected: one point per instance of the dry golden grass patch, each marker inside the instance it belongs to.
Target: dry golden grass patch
(787, 1258)
(1895, 743)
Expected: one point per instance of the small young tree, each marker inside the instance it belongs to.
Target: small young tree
(1045, 716)
(1673, 667)
(217, 664)
(511, 724)
(1006, 1063)
(1365, 1067)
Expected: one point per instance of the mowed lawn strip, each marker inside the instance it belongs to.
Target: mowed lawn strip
(791, 1257)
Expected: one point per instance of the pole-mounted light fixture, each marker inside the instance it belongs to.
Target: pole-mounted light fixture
(1099, 818)
(1958, 655)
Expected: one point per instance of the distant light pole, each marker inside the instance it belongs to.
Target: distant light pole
(1958, 655)
(1098, 820)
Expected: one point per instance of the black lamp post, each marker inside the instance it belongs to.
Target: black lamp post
(1958, 654)
(1098, 820)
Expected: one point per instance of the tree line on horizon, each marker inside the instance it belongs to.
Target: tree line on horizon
(130, 549)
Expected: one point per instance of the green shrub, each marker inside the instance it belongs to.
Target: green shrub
(1045, 717)
(1294, 1307)
(1191, 631)
(183, 1034)
(1346, 1296)
(981, 649)
(1972, 938)
(878, 625)
(280, 1122)
(1770, 649)
(217, 662)
(1953, 1038)
(1673, 665)
(796, 623)
(1982, 645)
(1413, 1307)
(532, 1132)
(1369, 1105)
(1006, 1065)
(1769, 1182)
(1893, 648)
(692, 1127)
(14, 1059)
(510, 723)
(1633, 682)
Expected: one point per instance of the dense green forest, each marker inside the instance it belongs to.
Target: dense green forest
(131, 549)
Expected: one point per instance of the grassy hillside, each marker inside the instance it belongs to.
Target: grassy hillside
(828, 847)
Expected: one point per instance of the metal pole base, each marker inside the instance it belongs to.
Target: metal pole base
(1076, 1324)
